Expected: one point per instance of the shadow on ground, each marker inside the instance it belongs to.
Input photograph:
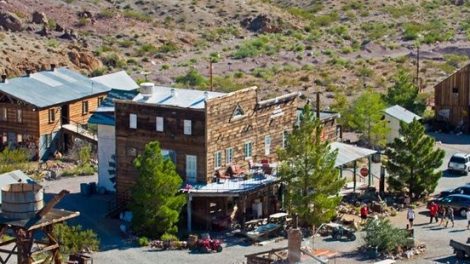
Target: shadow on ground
(452, 139)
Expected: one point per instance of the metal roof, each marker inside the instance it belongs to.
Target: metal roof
(104, 114)
(14, 177)
(178, 97)
(348, 153)
(47, 88)
(401, 114)
(117, 80)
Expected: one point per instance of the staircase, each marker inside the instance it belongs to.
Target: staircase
(79, 131)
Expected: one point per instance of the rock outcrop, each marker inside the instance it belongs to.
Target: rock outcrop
(10, 21)
(84, 60)
(39, 18)
(261, 24)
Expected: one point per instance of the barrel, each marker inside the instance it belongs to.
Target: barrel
(22, 200)
(92, 187)
(85, 189)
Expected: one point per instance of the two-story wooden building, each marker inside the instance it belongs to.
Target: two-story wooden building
(34, 107)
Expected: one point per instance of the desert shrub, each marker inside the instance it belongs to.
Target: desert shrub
(168, 237)
(51, 23)
(411, 31)
(107, 13)
(221, 33)
(382, 235)
(401, 10)
(306, 13)
(226, 83)
(13, 159)
(98, 72)
(325, 20)
(83, 21)
(192, 79)
(254, 47)
(137, 15)
(81, 170)
(143, 242)
(113, 60)
(165, 67)
(73, 239)
(146, 48)
(263, 73)
(375, 30)
(126, 43)
(168, 47)
(355, 5)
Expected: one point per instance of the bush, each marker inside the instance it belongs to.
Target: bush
(382, 235)
(13, 159)
(73, 239)
(254, 47)
(82, 170)
(168, 237)
(143, 242)
(192, 78)
(137, 15)
(168, 47)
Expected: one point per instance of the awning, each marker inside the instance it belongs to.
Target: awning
(348, 153)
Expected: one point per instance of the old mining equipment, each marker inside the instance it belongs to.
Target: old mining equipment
(26, 218)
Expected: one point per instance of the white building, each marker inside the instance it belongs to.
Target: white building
(123, 87)
(394, 115)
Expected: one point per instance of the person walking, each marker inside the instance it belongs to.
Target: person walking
(468, 218)
(442, 214)
(364, 213)
(433, 207)
(450, 216)
(410, 215)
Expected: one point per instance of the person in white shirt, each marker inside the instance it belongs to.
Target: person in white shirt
(410, 215)
(468, 218)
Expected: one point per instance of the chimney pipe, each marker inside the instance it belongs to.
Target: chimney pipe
(28, 72)
(52, 67)
(4, 78)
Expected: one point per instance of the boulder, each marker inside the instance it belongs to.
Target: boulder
(39, 18)
(59, 28)
(261, 24)
(84, 60)
(44, 31)
(68, 34)
(10, 21)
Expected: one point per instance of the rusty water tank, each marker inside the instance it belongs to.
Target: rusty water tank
(22, 200)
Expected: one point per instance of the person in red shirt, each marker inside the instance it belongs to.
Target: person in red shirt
(364, 213)
(433, 208)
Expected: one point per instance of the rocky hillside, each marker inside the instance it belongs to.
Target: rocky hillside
(278, 45)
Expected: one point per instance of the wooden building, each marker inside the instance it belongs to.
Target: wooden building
(204, 133)
(452, 99)
(34, 108)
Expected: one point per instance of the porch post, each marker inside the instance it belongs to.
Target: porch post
(189, 212)
(354, 176)
(370, 173)
(341, 171)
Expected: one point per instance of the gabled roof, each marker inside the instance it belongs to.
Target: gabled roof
(401, 114)
(348, 153)
(117, 80)
(48, 88)
(104, 114)
(177, 97)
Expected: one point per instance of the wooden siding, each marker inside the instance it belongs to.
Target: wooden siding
(29, 125)
(172, 138)
(453, 93)
(46, 127)
(75, 109)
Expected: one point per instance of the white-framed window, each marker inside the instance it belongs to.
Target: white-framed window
(4, 137)
(217, 159)
(51, 115)
(19, 115)
(159, 125)
(19, 138)
(3, 114)
(248, 149)
(84, 107)
(187, 127)
(228, 155)
(48, 140)
(133, 121)
(285, 135)
(267, 145)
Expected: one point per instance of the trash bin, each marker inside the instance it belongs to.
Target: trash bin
(85, 189)
(92, 187)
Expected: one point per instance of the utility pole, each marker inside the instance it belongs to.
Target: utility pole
(210, 75)
(417, 66)
(317, 104)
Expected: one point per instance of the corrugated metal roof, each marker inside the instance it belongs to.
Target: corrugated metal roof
(47, 88)
(104, 115)
(348, 153)
(401, 113)
(177, 97)
(13, 177)
(117, 80)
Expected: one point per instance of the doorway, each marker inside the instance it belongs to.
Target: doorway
(64, 114)
(191, 168)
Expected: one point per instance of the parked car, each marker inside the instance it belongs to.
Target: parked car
(459, 190)
(459, 162)
(459, 202)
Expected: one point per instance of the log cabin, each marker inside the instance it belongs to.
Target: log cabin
(205, 133)
(36, 107)
(452, 99)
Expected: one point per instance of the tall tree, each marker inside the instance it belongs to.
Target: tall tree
(156, 204)
(366, 117)
(405, 93)
(413, 161)
(341, 105)
(308, 169)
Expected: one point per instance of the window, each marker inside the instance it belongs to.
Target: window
(48, 139)
(228, 155)
(169, 154)
(187, 127)
(19, 115)
(84, 107)
(217, 159)
(51, 115)
(19, 138)
(455, 90)
(133, 121)
(100, 100)
(267, 145)
(159, 126)
(3, 114)
(285, 135)
(4, 137)
(248, 149)
(238, 112)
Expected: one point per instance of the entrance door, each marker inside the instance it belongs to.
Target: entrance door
(64, 114)
(191, 168)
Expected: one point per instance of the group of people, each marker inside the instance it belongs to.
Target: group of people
(444, 214)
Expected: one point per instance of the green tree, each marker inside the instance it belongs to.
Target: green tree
(413, 162)
(156, 202)
(366, 117)
(382, 235)
(192, 79)
(308, 169)
(405, 93)
(341, 105)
